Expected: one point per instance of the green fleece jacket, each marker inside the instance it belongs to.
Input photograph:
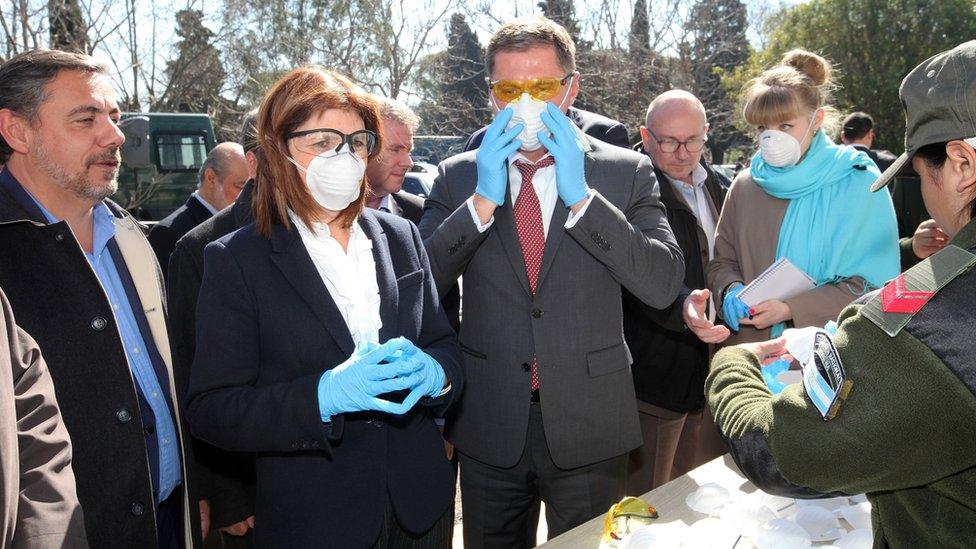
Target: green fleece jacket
(906, 432)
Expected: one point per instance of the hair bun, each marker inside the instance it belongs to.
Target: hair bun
(810, 64)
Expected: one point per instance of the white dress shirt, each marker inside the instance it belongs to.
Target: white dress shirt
(207, 205)
(349, 275)
(696, 197)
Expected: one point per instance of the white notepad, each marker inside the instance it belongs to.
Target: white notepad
(782, 280)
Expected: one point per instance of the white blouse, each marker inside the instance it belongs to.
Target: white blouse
(349, 276)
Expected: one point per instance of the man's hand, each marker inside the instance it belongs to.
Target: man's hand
(240, 528)
(204, 518)
(928, 239)
(768, 313)
(492, 156)
(566, 149)
(697, 321)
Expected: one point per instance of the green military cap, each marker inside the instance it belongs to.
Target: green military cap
(939, 97)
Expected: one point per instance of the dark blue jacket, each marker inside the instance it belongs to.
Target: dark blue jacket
(267, 329)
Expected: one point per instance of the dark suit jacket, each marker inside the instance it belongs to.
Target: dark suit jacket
(267, 329)
(573, 322)
(408, 206)
(881, 158)
(224, 478)
(670, 362)
(163, 235)
(35, 451)
(594, 125)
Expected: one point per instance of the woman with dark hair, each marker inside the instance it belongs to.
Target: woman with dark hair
(321, 344)
(887, 406)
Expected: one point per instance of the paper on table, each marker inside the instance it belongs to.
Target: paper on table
(782, 280)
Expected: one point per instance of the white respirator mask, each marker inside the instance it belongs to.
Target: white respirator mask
(780, 149)
(335, 178)
(528, 110)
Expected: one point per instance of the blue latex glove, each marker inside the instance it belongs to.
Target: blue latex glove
(831, 327)
(353, 385)
(431, 380)
(492, 157)
(566, 149)
(771, 371)
(734, 308)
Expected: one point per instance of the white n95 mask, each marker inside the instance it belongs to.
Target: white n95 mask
(335, 178)
(780, 149)
(528, 110)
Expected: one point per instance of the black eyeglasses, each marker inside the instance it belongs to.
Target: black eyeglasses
(326, 140)
(668, 145)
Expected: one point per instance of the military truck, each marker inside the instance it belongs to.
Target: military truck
(161, 158)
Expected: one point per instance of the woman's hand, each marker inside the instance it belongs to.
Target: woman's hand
(768, 351)
(767, 313)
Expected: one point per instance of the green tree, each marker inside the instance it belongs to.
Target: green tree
(195, 77)
(873, 45)
(639, 40)
(67, 26)
(453, 83)
(716, 45)
(564, 13)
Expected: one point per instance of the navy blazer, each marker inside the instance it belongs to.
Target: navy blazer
(267, 329)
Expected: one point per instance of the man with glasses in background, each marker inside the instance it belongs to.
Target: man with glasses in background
(670, 361)
(547, 225)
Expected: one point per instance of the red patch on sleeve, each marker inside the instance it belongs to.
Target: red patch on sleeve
(895, 298)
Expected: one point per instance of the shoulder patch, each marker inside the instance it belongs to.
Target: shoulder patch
(905, 296)
(824, 379)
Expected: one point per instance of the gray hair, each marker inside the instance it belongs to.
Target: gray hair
(23, 81)
(249, 130)
(529, 32)
(391, 109)
(218, 158)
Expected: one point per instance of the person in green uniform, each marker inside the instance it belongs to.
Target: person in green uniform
(887, 405)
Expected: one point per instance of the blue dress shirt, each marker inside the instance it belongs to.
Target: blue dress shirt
(100, 258)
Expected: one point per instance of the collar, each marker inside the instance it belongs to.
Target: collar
(29, 208)
(320, 230)
(387, 202)
(698, 177)
(210, 207)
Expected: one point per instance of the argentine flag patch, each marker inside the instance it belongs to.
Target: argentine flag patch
(824, 380)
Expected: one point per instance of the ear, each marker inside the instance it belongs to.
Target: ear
(15, 130)
(252, 163)
(961, 160)
(645, 138)
(818, 119)
(573, 89)
(210, 177)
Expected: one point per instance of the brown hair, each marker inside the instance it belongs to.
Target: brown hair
(800, 84)
(530, 32)
(292, 100)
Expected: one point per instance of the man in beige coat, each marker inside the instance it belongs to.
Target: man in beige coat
(38, 504)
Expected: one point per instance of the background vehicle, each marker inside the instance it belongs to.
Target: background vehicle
(161, 158)
(420, 179)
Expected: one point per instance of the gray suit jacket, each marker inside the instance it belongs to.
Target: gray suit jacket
(573, 324)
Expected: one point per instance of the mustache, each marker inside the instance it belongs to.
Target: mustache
(112, 155)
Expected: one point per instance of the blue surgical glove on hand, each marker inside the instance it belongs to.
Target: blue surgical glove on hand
(734, 308)
(568, 152)
(353, 385)
(492, 157)
(771, 371)
(431, 373)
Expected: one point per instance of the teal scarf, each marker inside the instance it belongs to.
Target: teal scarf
(834, 227)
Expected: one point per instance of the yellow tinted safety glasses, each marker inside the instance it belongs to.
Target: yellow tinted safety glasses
(542, 89)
